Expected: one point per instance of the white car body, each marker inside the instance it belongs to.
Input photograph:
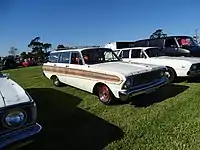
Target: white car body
(112, 74)
(14, 99)
(183, 66)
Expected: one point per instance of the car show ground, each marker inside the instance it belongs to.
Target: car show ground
(72, 119)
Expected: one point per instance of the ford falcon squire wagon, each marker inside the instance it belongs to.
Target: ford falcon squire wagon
(18, 114)
(101, 72)
(177, 66)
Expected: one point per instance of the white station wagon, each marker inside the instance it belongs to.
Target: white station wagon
(101, 72)
(177, 66)
(18, 114)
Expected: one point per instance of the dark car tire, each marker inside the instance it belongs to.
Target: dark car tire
(172, 74)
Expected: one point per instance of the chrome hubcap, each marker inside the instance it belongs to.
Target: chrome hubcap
(104, 93)
(56, 82)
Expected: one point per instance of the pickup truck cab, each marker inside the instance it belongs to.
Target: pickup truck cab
(172, 45)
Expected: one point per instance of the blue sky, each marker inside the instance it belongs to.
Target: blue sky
(92, 22)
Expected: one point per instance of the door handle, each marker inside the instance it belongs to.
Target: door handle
(67, 66)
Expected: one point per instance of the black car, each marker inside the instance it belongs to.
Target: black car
(173, 45)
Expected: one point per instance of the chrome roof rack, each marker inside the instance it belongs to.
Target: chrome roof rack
(76, 47)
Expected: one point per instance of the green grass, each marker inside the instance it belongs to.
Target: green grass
(72, 119)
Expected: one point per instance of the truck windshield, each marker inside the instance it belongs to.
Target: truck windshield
(100, 55)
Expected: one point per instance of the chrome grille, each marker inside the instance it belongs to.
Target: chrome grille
(145, 78)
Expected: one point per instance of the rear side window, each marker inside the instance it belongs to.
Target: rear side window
(170, 42)
(136, 53)
(64, 57)
(53, 57)
(125, 54)
(156, 43)
(142, 43)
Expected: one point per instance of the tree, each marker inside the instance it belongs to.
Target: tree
(46, 46)
(60, 46)
(13, 51)
(158, 34)
(23, 55)
(39, 49)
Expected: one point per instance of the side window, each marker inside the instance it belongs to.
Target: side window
(136, 53)
(64, 57)
(155, 42)
(125, 54)
(76, 58)
(53, 57)
(170, 43)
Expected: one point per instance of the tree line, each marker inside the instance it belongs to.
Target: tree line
(40, 49)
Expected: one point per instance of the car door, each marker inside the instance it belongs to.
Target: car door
(75, 75)
(170, 47)
(62, 65)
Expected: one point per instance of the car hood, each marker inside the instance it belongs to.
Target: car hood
(192, 60)
(125, 68)
(11, 93)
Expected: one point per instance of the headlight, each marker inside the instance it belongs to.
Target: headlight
(194, 67)
(128, 83)
(15, 119)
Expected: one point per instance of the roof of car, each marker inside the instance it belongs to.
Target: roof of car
(174, 36)
(77, 49)
(132, 48)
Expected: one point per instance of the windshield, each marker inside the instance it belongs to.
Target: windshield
(186, 41)
(154, 52)
(100, 55)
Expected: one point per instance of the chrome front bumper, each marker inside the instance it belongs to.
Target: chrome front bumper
(193, 73)
(146, 88)
(21, 134)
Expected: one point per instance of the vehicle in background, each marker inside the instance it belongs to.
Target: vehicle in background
(119, 45)
(177, 66)
(172, 45)
(101, 72)
(18, 114)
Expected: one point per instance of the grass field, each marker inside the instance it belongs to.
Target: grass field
(72, 119)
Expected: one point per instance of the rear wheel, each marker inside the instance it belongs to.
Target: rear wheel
(56, 81)
(171, 74)
(105, 95)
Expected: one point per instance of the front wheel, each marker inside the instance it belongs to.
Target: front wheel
(171, 74)
(105, 95)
